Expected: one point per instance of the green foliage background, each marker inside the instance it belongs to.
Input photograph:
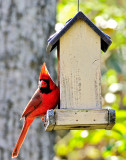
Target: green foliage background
(101, 144)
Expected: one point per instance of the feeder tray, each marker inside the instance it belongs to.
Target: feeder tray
(60, 119)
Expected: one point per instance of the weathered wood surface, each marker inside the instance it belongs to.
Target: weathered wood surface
(78, 127)
(66, 117)
(80, 74)
(80, 119)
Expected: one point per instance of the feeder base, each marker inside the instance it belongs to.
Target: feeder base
(62, 119)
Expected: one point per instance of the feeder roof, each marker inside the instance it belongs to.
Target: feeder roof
(54, 39)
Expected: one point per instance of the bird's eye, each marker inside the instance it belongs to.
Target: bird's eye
(43, 84)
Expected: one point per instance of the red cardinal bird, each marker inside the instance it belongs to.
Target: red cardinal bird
(46, 97)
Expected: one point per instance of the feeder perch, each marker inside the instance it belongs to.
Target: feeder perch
(79, 44)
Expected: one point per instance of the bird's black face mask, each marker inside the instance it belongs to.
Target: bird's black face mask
(46, 87)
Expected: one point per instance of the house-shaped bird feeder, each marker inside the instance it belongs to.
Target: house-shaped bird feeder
(79, 44)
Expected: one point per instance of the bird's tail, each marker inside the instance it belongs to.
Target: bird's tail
(24, 131)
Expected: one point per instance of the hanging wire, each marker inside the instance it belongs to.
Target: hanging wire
(78, 5)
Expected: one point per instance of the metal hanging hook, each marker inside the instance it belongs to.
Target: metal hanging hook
(78, 5)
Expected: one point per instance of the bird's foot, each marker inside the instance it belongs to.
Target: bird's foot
(43, 118)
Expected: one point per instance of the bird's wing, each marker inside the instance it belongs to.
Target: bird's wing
(35, 101)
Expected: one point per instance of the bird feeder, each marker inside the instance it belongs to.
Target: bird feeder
(79, 44)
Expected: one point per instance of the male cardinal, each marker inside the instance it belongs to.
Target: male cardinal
(46, 97)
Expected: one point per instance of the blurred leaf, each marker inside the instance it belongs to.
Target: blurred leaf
(121, 128)
(121, 145)
(106, 153)
(113, 62)
(113, 135)
(96, 136)
(62, 149)
(92, 152)
(124, 101)
(76, 143)
(120, 115)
